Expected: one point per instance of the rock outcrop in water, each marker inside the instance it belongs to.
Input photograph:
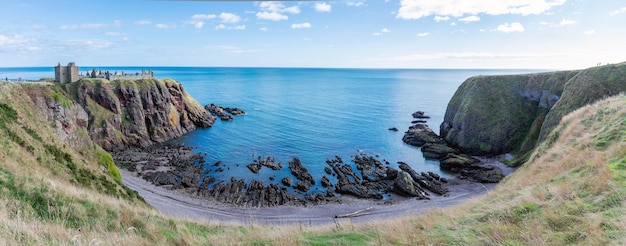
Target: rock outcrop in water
(225, 114)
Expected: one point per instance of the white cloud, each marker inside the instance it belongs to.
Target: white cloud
(113, 34)
(18, 43)
(263, 29)
(563, 22)
(83, 26)
(439, 18)
(203, 17)
(275, 11)
(619, 11)
(220, 27)
(13, 40)
(197, 20)
(356, 4)
(164, 26)
(453, 24)
(590, 32)
(143, 22)
(423, 34)
(229, 18)
(416, 9)
(381, 32)
(566, 22)
(472, 18)
(278, 7)
(225, 27)
(301, 25)
(322, 7)
(513, 27)
(275, 16)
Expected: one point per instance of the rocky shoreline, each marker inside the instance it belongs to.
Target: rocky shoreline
(179, 168)
(435, 147)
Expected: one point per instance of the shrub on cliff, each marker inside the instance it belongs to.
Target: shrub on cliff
(106, 160)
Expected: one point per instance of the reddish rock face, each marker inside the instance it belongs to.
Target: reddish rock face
(134, 113)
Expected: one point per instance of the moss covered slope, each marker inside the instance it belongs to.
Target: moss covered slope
(491, 115)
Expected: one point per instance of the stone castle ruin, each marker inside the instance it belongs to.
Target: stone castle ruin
(69, 73)
(66, 74)
(119, 75)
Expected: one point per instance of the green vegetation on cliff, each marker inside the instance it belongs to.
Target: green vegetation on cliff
(490, 115)
(136, 112)
(571, 191)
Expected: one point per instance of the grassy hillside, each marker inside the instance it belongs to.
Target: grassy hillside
(55, 193)
(571, 191)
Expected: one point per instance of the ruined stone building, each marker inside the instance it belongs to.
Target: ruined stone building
(119, 75)
(66, 74)
(69, 73)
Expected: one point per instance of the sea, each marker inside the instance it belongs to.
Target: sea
(313, 114)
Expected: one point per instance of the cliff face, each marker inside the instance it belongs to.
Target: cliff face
(491, 115)
(117, 114)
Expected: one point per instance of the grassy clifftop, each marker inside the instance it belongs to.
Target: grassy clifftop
(498, 114)
(571, 191)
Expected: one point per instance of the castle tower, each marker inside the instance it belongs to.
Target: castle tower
(66, 74)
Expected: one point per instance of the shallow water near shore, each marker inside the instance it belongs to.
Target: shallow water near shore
(312, 114)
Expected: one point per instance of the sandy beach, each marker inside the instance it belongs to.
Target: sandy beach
(179, 205)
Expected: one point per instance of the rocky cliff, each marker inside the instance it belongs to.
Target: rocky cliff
(490, 115)
(121, 113)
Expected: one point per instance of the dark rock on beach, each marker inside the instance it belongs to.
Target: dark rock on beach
(375, 180)
(325, 181)
(420, 115)
(287, 181)
(437, 150)
(429, 181)
(260, 162)
(327, 170)
(470, 167)
(255, 168)
(405, 186)
(176, 167)
(420, 134)
(301, 173)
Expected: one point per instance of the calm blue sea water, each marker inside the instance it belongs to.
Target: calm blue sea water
(312, 114)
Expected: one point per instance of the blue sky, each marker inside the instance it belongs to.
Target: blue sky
(546, 34)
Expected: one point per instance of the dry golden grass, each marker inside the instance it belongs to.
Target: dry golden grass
(569, 192)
